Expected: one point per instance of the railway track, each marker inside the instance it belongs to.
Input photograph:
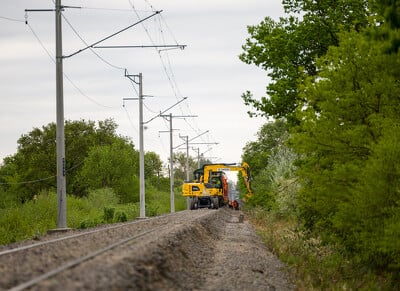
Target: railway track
(32, 265)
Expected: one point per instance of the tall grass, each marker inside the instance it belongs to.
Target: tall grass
(28, 220)
(315, 266)
(35, 218)
(160, 202)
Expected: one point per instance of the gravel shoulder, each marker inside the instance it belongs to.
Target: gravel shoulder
(197, 250)
(243, 261)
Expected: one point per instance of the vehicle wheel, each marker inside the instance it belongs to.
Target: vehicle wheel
(189, 203)
(221, 202)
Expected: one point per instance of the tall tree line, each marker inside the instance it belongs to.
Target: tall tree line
(96, 157)
(334, 66)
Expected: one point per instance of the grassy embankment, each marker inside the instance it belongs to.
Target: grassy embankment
(35, 218)
(312, 265)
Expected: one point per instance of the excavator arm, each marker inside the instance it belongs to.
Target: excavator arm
(244, 169)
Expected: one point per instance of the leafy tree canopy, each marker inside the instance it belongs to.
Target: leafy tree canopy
(349, 141)
(269, 137)
(334, 67)
(33, 168)
(180, 166)
(287, 49)
(35, 159)
(112, 166)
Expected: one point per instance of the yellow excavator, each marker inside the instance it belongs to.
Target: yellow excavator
(210, 187)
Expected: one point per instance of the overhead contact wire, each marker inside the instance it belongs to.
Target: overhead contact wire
(91, 49)
(153, 43)
(65, 75)
(41, 179)
(172, 78)
(170, 75)
(11, 19)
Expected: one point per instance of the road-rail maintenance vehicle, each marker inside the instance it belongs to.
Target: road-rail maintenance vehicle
(210, 186)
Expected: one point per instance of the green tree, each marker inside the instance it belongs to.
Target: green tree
(154, 171)
(256, 153)
(152, 165)
(274, 174)
(33, 168)
(113, 166)
(368, 223)
(287, 49)
(6, 177)
(349, 133)
(334, 67)
(180, 166)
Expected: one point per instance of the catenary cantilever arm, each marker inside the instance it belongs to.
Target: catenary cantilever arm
(112, 35)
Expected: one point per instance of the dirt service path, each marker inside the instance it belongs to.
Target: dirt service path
(242, 261)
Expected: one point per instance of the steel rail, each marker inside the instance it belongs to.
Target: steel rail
(22, 248)
(79, 261)
(75, 262)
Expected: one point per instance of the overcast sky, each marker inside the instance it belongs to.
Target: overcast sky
(208, 71)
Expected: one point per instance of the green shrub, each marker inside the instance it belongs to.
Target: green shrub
(102, 197)
(28, 220)
(315, 265)
(88, 223)
(108, 214)
(159, 202)
(131, 210)
(120, 216)
(152, 209)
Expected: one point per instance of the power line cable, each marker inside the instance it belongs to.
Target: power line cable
(170, 31)
(170, 79)
(133, 85)
(11, 19)
(92, 50)
(148, 108)
(41, 43)
(195, 126)
(42, 179)
(167, 67)
(88, 97)
(151, 6)
(171, 75)
(130, 120)
(110, 9)
(28, 182)
(65, 75)
(173, 79)
(153, 43)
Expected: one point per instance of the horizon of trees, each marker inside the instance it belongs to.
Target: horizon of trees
(96, 156)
